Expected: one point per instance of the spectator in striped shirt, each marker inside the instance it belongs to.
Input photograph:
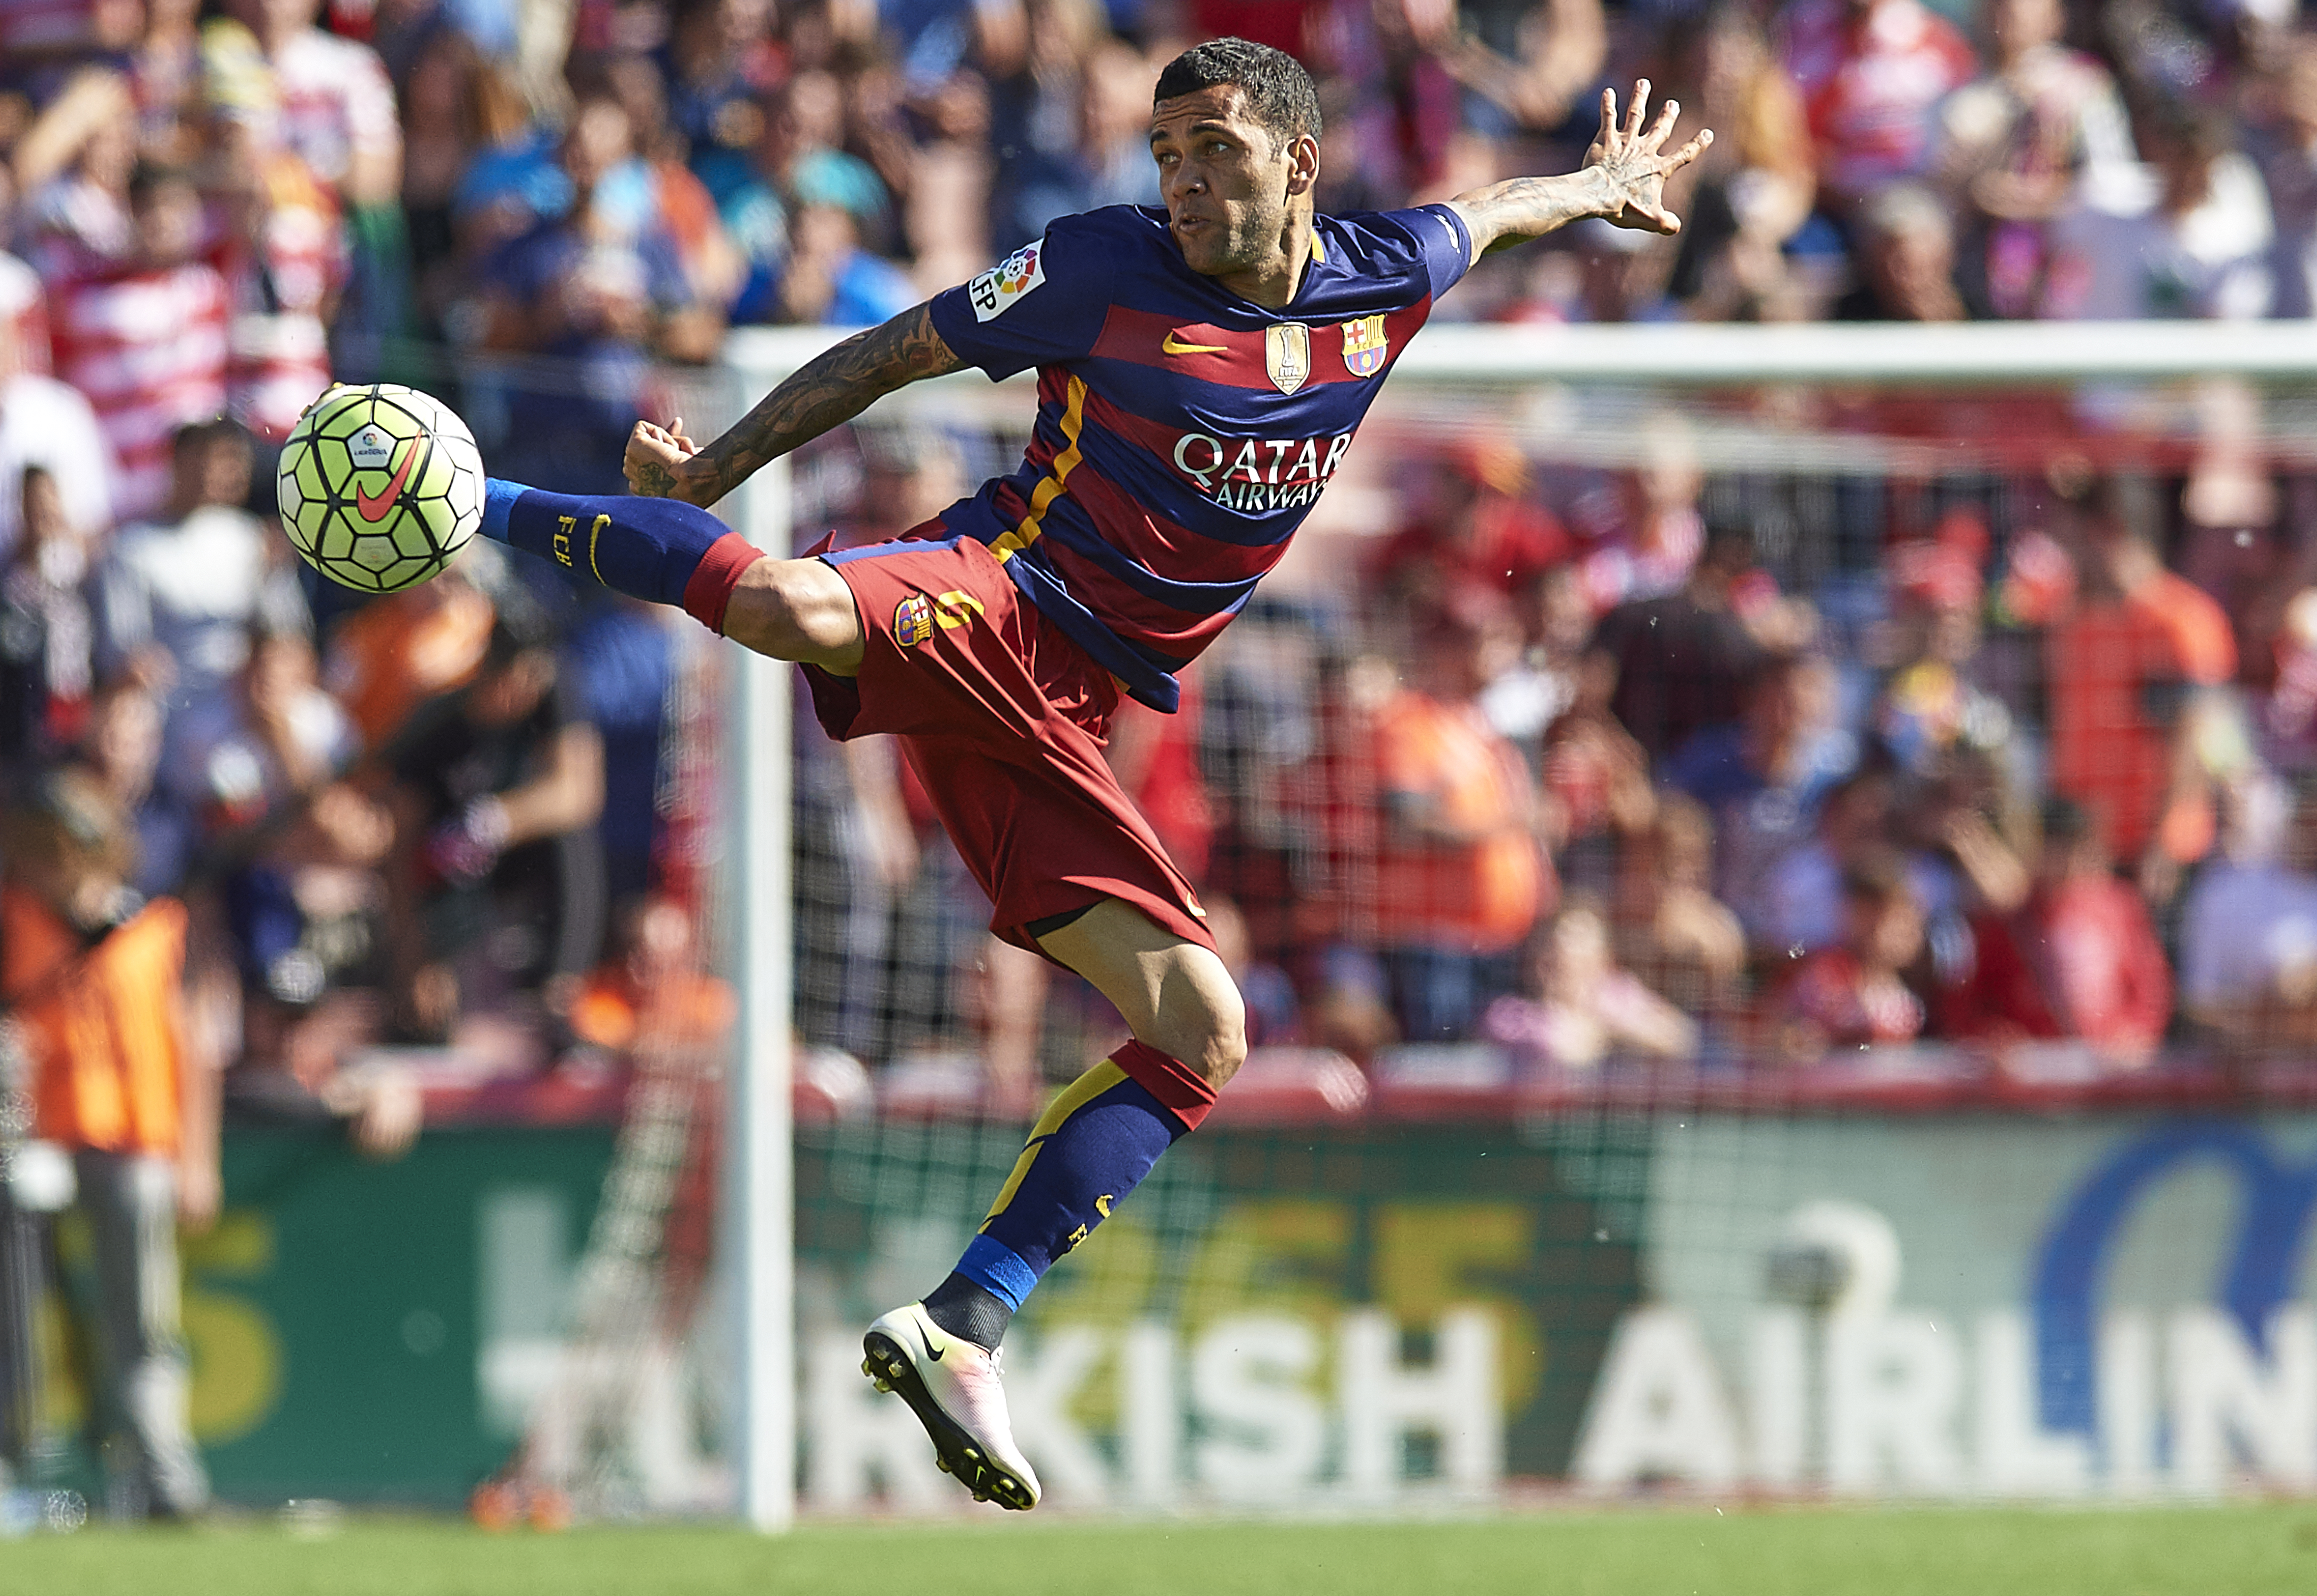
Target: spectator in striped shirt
(280, 240)
(139, 319)
(337, 107)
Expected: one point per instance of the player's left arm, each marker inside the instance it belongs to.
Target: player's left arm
(830, 389)
(1622, 183)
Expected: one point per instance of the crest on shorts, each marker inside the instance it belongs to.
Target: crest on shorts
(1365, 347)
(913, 620)
(1287, 354)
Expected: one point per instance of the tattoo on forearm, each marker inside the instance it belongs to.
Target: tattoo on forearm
(825, 392)
(1524, 208)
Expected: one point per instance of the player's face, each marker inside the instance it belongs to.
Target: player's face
(1227, 181)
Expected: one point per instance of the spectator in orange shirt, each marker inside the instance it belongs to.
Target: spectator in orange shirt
(1461, 879)
(652, 992)
(92, 977)
(394, 653)
(2125, 661)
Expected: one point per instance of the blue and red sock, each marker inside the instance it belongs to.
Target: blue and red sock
(660, 550)
(1092, 1146)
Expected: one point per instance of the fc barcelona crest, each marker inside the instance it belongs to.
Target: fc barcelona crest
(1364, 346)
(1287, 356)
(913, 620)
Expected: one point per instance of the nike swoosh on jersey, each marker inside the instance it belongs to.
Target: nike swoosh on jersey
(375, 509)
(1173, 344)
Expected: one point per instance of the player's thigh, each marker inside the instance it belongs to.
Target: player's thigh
(1174, 994)
(796, 610)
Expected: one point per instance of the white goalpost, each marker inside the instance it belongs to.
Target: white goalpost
(759, 1191)
(756, 1228)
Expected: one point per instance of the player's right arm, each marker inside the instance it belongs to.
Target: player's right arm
(825, 391)
(1621, 182)
(1043, 303)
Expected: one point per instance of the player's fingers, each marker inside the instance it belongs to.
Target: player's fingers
(1662, 129)
(1690, 151)
(1609, 134)
(1638, 109)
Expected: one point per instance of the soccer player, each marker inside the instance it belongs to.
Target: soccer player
(1202, 370)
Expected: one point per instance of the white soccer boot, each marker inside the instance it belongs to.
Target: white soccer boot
(952, 1387)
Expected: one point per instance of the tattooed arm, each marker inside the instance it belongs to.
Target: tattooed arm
(831, 389)
(1622, 183)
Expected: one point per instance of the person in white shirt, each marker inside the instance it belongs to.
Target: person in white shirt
(2288, 164)
(2042, 122)
(2187, 237)
(176, 598)
(2248, 929)
(44, 423)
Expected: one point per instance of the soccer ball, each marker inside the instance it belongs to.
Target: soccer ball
(380, 486)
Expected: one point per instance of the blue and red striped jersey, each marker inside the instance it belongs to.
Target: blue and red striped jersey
(1183, 433)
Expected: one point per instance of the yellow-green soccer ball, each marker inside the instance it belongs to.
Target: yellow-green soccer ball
(380, 486)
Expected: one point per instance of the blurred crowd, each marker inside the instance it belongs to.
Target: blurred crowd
(1652, 757)
(425, 824)
(1594, 764)
(270, 863)
(1586, 766)
(214, 203)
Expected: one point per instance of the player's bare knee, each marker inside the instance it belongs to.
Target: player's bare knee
(1209, 1034)
(1226, 1047)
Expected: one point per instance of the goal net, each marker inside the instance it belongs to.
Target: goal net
(1771, 871)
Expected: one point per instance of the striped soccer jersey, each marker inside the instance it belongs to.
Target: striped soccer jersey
(1183, 433)
(148, 347)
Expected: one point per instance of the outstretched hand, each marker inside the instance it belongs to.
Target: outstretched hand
(656, 464)
(1630, 162)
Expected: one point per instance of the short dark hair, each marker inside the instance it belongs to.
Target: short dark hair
(148, 178)
(2066, 821)
(1879, 877)
(1278, 91)
(199, 435)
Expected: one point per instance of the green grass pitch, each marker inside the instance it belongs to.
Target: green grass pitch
(2242, 1550)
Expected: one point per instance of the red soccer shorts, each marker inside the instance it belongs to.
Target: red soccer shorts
(1003, 719)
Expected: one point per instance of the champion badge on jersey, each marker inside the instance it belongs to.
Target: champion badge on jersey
(1365, 347)
(913, 620)
(1287, 356)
